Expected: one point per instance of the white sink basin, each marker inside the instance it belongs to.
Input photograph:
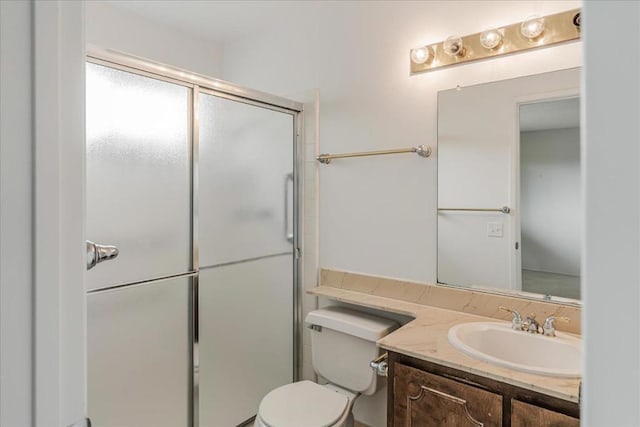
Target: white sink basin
(497, 343)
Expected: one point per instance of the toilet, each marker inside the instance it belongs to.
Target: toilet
(343, 343)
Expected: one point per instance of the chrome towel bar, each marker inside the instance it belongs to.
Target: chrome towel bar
(421, 150)
(504, 209)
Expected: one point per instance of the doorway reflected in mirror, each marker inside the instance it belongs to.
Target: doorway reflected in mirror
(550, 197)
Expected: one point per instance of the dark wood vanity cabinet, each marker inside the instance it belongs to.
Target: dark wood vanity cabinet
(526, 415)
(424, 399)
(424, 394)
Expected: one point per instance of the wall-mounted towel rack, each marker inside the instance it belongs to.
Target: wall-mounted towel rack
(504, 209)
(421, 150)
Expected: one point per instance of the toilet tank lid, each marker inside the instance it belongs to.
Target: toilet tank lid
(352, 322)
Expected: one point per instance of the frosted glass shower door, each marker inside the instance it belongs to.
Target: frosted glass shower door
(246, 284)
(246, 337)
(138, 355)
(138, 175)
(245, 181)
(138, 198)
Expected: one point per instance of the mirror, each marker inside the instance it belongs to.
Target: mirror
(509, 186)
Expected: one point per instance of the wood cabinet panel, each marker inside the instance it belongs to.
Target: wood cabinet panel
(525, 415)
(423, 393)
(424, 399)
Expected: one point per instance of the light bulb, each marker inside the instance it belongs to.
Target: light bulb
(490, 39)
(421, 55)
(532, 27)
(453, 46)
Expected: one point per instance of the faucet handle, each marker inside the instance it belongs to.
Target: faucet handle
(516, 321)
(549, 327)
(530, 324)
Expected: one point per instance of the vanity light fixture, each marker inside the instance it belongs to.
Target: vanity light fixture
(532, 27)
(421, 55)
(453, 46)
(491, 39)
(532, 33)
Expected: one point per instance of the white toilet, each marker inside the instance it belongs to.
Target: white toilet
(343, 342)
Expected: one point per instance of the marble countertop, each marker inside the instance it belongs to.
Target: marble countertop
(426, 338)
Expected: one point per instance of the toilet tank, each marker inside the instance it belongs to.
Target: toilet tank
(343, 342)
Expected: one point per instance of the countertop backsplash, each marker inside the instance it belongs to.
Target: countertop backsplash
(469, 301)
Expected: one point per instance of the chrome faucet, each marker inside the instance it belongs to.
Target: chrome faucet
(516, 321)
(549, 327)
(531, 325)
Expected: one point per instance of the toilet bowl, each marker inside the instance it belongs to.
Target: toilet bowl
(306, 404)
(342, 345)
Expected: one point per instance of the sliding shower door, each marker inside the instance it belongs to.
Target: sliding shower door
(246, 257)
(194, 321)
(139, 199)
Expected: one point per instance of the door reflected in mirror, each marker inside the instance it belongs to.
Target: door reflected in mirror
(509, 186)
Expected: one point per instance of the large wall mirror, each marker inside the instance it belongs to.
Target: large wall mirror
(509, 186)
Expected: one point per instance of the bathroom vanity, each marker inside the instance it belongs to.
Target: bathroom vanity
(432, 383)
(423, 393)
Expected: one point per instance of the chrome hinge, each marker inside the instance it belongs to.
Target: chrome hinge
(316, 328)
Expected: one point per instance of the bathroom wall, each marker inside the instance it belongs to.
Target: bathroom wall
(16, 207)
(611, 245)
(550, 200)
(111, 27)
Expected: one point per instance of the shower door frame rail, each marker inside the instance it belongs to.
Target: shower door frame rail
(197, 82)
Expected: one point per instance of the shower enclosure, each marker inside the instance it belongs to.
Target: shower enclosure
(195, 181)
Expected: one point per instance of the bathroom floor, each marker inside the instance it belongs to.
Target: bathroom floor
(542, 282)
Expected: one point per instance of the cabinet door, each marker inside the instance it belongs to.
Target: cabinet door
(525, 415)
(423, 399)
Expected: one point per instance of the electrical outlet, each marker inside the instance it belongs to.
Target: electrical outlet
(495, 229)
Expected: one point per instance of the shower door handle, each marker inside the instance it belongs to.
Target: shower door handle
(288, 235)
(97, 253)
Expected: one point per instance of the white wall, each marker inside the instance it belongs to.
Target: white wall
(550, 200)
(611, 247)
(16, 180)
(377, 215)
(111, 27)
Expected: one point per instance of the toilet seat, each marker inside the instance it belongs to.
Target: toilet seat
(303, 404)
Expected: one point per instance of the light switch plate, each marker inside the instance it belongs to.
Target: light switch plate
(495, 229)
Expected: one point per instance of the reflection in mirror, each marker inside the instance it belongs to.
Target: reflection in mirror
(550, 197)
(508, 185)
